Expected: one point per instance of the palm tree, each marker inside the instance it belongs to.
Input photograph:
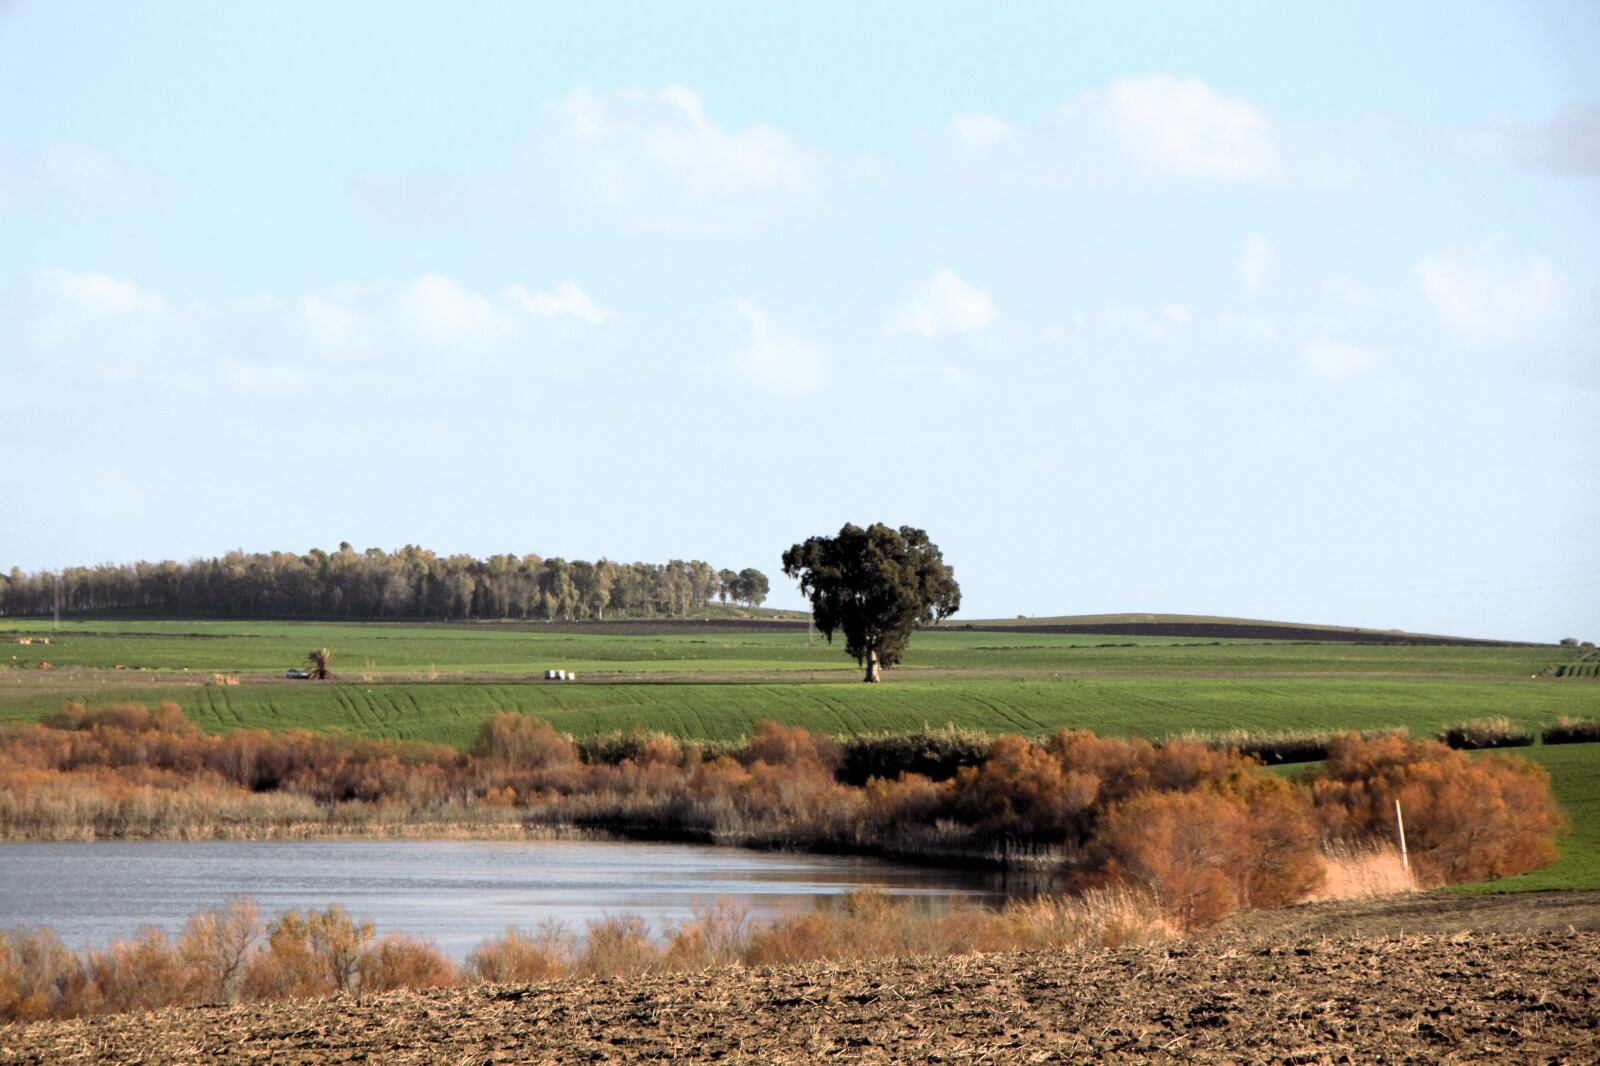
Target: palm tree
(319, 659)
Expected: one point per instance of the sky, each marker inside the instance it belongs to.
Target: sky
(1270, 310)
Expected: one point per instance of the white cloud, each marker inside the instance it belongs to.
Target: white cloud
(1255, 263)
(944, 305)
(772, 361)
(336, 321)
(976, 131)
(114, 326)
(76, 307)
(1178, 126)
(1164, 325)
(1347, 292)
(1254, 327)
(565, 299)
(89, 295)
(1154, 127)
(1490, 293)
(441, 312)
(1569, 143)
(1335, 360)
(656, 161)
(85, 174)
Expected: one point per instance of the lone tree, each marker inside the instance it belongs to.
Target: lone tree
(875, 585)
(319, 659)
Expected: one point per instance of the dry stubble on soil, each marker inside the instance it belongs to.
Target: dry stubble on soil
(1495, 997)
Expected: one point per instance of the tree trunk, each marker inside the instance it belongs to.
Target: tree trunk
(873, 673)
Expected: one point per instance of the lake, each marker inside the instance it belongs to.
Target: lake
(456, 893)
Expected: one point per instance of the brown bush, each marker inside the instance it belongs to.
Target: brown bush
(215, 946)
(909, 800)
(142, 974)
(521, 958)
(403, 962)
(1282, 865)
(312, 954)
(1190, 849)
(39, 977)
(524, 743)
(717, 935)
(791, 746)
(792, 938)
(619, 945)
(1467, 818)
(1024, 790)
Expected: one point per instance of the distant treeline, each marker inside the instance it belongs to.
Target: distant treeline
(410, 583)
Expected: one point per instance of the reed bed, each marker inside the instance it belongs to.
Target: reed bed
(1484, 733)
(1568, 730)
(1204, 830)
(231, 955)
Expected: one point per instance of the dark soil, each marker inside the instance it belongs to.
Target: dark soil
(1241, 995)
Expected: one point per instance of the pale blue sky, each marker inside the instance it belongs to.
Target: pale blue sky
(1239, 309)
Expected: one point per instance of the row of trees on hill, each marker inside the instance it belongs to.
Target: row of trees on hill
(409, 583)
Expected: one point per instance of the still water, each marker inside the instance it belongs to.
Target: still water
(453, 892)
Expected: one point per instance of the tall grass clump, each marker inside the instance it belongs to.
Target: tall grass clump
(1369, 871)
(1568, 730)
(1483, 733)
(1272, 749)
(937, 754)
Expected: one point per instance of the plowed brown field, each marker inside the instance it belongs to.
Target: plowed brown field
(1498, 996)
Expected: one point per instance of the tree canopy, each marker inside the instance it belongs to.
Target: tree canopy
(875, 586)
(411, 582)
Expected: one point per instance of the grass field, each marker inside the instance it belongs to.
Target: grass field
(451, 712)
(441, 682)
(401, 649)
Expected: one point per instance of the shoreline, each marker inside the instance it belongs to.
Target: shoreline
(1519, 994)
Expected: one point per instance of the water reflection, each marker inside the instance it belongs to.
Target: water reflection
(455, 892)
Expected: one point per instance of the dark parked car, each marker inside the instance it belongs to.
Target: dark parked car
(296, 675)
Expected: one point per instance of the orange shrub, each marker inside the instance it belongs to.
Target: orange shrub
(1125, 766)
(215, 946)
(717, 935)
(314, 954)
(141, 974)
(403, 962)
(619, 945)
(521, 958)
(524, 743)
(1191, 849)
(909, 800)
(780, 745)
(1282, 866)
(792, 938)
(39, 977)
(1023, 789)
(1467, 818)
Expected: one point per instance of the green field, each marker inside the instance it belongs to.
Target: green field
(451, 712)
(440, 682)
(402, 649)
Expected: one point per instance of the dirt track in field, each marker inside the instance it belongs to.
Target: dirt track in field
(1246, 993)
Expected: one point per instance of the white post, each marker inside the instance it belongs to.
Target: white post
(1400, 824)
